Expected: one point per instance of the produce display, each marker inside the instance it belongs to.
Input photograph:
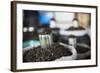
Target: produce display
(38, 54)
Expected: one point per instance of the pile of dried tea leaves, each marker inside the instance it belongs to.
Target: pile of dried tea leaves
(38, 54)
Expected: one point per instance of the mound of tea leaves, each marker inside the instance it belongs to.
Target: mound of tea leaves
(38, 54)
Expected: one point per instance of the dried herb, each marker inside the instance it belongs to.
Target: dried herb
(38, 54)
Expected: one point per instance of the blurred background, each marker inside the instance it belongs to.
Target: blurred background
(35, 21)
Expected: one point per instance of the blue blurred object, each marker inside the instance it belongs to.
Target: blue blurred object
(44, 17)
(31, 43)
